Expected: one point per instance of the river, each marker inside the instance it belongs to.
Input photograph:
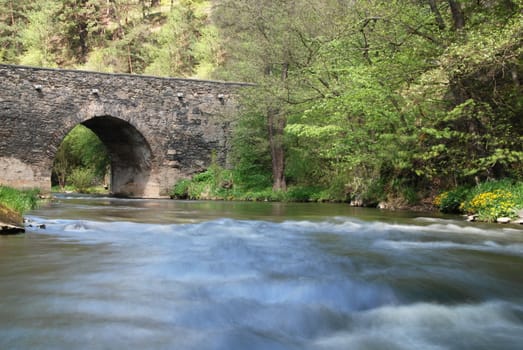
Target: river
(157, 274)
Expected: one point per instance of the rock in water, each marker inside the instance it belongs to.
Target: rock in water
(10, 222)
(503, 220)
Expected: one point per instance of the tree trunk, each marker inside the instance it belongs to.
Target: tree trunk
(437, 14)
(276, 124)
(457, 14)
(83, 32)
(515, 78)
(129, 60)
(144, 9)
(12, 13)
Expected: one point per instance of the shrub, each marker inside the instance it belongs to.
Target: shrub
(488, 200)
(451, 202)
(213, 183)
(409, 194)
(203, 177)
(323, 196)
(517, 191)
(181, 189)
(490, 186)
(261, 195)
(82, 179)
(491, 205)
(199, 190)
(301, 193)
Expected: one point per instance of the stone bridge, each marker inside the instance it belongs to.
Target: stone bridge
(156, 130)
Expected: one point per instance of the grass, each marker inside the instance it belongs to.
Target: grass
(18, 200)
(94, 189)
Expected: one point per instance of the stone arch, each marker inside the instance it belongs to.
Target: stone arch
(177, 118)
(132, 161)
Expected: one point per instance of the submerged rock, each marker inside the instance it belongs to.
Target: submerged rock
(11, 222)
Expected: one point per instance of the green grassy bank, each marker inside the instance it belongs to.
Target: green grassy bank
(487, 201)
(17, 200)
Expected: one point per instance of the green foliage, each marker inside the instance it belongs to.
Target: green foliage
(257, 196)
(301, 193)
(208, 51)
(17, 200)
(214, 183)
(475, 133)
(88, 150)
(386, 102)
(206, 176)
(82, 152)
(112, 36)
(13, 19)
(471, 140)
(451, 202)
(265, 195)
(494, 185)
(488, 200)
(181, 189)
(101, 60)
(491, 205)
(39, 36)
(184, 43)
(82, 179)
(251, 154)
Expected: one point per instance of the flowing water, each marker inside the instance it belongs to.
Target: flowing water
(151, 274)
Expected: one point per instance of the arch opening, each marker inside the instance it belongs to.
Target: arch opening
(81, 161)
(130, 154)
(130, 160)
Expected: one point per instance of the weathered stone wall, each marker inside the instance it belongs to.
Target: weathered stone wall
(157, 130)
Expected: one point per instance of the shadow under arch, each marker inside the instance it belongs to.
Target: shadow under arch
(130, 154)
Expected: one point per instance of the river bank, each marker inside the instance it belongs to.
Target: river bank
(13, 203)
(11, 222)
(492, 201)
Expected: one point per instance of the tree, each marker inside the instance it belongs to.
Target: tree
(176, 54)
(75, 20)
(61, 165)
(272, 44)
(13, 19)
(476, 133)
(39, 36)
